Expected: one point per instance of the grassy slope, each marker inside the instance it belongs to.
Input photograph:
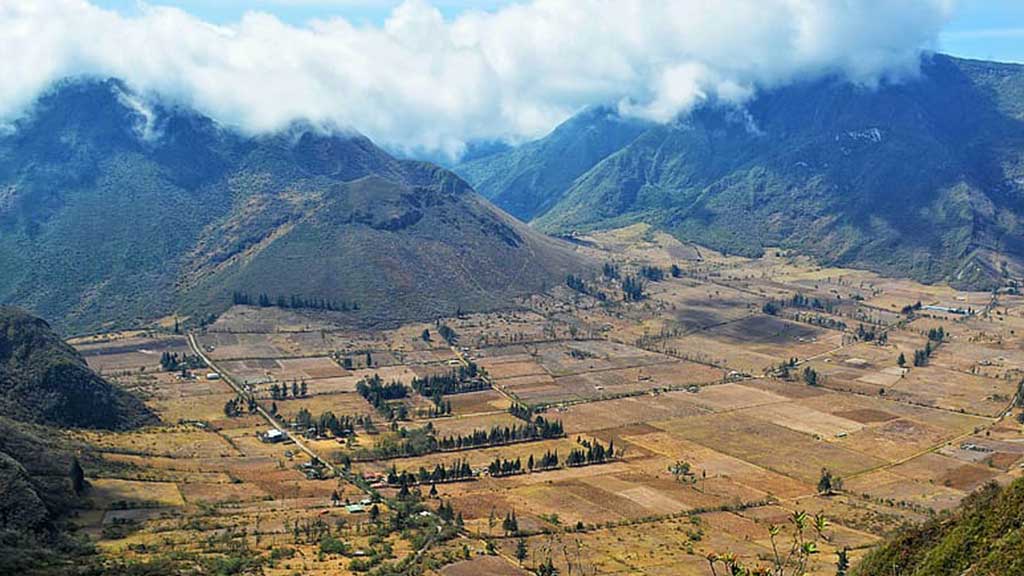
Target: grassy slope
(985, 537)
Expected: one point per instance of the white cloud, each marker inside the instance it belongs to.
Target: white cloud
(423, 82)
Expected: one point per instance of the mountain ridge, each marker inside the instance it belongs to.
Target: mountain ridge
(922, 179)
(115, 211)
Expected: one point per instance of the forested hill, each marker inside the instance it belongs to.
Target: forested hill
(116, 209)
(922, 178)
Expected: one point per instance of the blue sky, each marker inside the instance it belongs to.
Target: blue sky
(300, 11)
(984, 29)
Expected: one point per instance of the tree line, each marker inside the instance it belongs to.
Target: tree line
(454, 472)
(280, 392)
(539, 429)
(294, 301)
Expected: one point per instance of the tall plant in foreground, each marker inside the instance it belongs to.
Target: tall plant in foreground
(793, 560)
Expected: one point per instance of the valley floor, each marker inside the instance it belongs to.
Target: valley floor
(689, 374)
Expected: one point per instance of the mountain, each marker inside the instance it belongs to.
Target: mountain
(984, 537)
(528, 180)
(115, 209)
(45, 386)
(43, 380)
(922, 178)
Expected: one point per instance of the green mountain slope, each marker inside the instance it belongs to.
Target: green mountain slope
(113, 211)
(923, 178)
(43, 380)
(984, 537)
(528, 180)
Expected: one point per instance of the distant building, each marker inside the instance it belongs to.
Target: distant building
(945, 309)
(273, 436)
(213, 376)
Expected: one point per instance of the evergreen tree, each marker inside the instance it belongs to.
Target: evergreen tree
(77, 476)
(521, 550)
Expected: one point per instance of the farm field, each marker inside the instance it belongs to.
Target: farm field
(719, 403)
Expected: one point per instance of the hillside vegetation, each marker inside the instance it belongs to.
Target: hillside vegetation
(984, 537)
(45, 385)
(114, 211)
(45, 381)
(923, 178)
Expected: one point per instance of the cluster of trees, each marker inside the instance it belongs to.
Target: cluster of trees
(294, 301)
(410, 443)
(171, 362)
(811, 377)
(652, 273)
(441, 407)
(676, 271)
(829, 484)
(338, 426)
(236, 406)
(632, 289)
(447, 333)
(539, 429)
(280, 392)
(548, 461)
(464, 379)
(577, 284)
(773, 307)
(610, 271)
(783, 369)
(510, 525)
(521, 411)
(501, 467)
(921, 357)
(459, 470)
(871, 335)
(592, 452)
(800, 301)
(911, 308)
(379, 396)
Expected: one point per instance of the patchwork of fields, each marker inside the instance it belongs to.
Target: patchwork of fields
(693, 374)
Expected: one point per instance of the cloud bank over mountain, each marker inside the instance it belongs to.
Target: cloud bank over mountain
(423, 83)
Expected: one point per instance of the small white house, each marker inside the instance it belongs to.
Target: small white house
(213, 376)
(273, 436)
